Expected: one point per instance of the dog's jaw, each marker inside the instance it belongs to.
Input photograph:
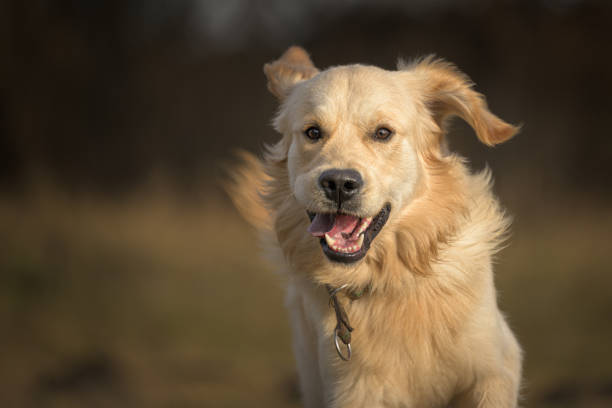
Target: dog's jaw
(373, 229)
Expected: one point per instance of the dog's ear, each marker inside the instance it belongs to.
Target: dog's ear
(292, 67)
(449, 92)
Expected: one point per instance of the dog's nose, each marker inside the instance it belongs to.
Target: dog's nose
(340, 185)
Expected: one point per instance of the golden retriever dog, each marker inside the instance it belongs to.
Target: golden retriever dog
(385, 237)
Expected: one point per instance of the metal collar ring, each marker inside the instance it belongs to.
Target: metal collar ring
(346, 357)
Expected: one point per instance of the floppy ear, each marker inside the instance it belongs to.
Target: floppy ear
(449, 93)
(292, 67)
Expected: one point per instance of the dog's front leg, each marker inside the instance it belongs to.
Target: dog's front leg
(500, 391)
(305, 347)
(496, 387)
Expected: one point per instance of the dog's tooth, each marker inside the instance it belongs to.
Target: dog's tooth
(360, 242)
(365, 224)
(332, 243)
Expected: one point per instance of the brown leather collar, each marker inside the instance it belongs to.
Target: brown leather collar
(343, 327)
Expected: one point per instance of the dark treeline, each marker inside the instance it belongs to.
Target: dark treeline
(99, 95)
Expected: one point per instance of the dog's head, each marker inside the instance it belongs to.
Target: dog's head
(356, 140)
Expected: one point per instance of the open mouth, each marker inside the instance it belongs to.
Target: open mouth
(346, 238)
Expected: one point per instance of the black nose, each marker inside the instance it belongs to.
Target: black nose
(340, 185)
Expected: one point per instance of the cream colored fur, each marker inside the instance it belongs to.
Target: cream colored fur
(429, 332)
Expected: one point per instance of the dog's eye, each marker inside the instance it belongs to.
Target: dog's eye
(382, 133)
(313, 133)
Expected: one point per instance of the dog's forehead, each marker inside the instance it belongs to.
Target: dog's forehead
(350, 82)
(350, 90)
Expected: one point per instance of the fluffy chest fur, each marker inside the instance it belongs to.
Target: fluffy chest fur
(420, 343)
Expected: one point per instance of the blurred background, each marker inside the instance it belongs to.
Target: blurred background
(127, 279)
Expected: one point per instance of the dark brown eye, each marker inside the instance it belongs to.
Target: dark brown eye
(313, 133)
(382, 133)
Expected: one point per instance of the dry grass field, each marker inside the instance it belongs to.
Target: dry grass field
(153, 300)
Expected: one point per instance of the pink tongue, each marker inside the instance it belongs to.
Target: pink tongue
(321, 223)
(333, 225)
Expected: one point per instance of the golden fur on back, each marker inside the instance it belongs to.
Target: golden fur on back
(428, 333)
